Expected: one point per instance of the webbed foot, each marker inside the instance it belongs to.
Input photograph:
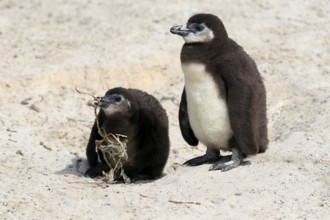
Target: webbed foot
(97, 170)
(137, 177)
(225, 164)
(211, 156)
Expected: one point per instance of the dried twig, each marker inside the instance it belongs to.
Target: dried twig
(180, 202)
(173, 201)
(112, 147)
(86, 93)
(45, 146)
(19, 152)
(28, 103)
(33, 107)
(145, 196)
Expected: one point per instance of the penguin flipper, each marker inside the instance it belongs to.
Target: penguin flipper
(96, 168)
(240, 101)
(91, 152)
(185, 127)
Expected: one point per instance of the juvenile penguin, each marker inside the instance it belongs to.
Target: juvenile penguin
(141, 118)
(223, 104)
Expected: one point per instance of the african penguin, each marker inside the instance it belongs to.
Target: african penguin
(223, 104)
(141, 118)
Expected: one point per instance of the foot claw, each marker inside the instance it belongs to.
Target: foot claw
(225, 166)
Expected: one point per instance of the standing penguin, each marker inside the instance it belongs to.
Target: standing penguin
(223, 104)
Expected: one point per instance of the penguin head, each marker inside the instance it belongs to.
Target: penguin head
(114, 105)
(201, 28)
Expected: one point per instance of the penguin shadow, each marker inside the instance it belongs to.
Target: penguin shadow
(78, 167)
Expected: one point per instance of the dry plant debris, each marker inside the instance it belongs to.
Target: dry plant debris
(28, 103)
(113, 148)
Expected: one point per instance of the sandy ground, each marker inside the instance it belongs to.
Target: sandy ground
(47, 48)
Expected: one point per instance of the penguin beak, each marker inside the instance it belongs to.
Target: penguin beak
(102, 102)
(106, 101)
(181, 30)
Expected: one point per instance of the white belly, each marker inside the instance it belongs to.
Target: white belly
(208, 112)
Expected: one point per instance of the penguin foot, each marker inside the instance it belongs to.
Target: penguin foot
(211, 156)
(225, 166)
(226, 163)
(119, 180)
(138, 177)
(95, 171)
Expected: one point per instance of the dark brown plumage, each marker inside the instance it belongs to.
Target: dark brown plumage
(142, 119)
(238, 84)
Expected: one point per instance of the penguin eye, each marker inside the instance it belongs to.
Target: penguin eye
(118, 99)
(195, 27)
(199, 27)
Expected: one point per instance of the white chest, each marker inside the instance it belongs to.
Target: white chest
(208, 112)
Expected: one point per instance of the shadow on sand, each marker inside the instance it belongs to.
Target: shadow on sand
(78, 167)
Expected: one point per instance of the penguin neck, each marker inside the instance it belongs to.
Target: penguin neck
(120, 125)
(199, 52)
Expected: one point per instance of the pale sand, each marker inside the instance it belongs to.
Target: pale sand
(47, 48)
